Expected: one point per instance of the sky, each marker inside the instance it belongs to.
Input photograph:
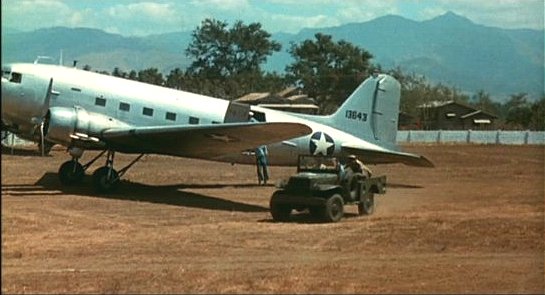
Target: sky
(139, 18)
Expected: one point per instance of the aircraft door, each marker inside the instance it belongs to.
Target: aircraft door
(237, 112)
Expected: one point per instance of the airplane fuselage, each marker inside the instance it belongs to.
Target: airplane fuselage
(129, 103)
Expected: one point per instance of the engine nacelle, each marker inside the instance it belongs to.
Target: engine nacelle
(64, 124)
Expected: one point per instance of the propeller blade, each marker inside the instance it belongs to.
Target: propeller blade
(47, 99)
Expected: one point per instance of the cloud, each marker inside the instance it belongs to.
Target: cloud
(293, 24)
(230, 5)
(142, 17)
(500, 13)
(360, 11)
(29, 15)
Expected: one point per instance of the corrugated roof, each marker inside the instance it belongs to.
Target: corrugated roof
(253, 96)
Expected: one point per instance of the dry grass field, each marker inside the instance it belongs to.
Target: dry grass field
(473, 224)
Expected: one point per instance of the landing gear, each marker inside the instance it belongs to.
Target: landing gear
(71, 172)
(105, 178)
(47, 146)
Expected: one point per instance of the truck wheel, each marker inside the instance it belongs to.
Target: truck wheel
(334, 210)
(367, 205)
(279, 212)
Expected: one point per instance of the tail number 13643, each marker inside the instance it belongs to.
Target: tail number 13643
(355, 115)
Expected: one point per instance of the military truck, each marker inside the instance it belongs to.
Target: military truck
(322, 187)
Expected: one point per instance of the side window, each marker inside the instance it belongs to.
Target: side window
(16, 77)
(100, 101)
(193, 120)
(147, 112)
(170, 116)
(124, 106)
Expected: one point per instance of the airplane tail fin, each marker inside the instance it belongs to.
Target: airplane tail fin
(371, 111)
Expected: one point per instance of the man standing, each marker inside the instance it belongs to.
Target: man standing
(261, 154)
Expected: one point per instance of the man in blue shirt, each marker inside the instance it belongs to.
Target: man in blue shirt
(261, 154)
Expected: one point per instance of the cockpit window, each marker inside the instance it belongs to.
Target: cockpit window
(11, 76)
(6, 73)
(16, 77)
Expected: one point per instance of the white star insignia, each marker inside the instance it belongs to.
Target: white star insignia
(321, 145)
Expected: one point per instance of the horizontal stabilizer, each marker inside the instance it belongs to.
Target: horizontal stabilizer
(383, 156)
(201, 141)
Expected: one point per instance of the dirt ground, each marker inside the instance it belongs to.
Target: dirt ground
(473, 224)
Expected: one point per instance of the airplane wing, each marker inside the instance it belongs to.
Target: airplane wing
(201, 141)
(385, 156)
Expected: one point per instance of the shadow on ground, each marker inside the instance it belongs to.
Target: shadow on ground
(49, 184)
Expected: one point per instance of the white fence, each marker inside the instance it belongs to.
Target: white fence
(471, 136)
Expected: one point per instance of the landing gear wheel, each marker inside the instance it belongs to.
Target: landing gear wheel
(367, 205)
(334, 210)
(71, 172)
(102, 182)
(279, 212)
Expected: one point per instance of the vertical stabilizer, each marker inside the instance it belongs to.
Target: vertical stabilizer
(371, 111)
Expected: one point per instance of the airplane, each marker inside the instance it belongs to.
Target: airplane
(83, 110)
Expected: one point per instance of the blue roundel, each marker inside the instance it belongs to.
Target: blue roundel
(321, 144)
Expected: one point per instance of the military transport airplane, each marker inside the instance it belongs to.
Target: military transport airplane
(84, 110)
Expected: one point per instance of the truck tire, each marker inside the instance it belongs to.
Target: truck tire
(366, 206)
(279, 211)
(333, 210)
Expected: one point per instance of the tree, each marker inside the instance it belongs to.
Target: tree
(537, 121)
(117, 72)
(151, 76)
(223, 53)
(518, 111)
(175, 79)
(483, 101)
(328, 71)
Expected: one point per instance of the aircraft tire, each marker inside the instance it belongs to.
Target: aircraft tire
(333, 210)
(279, 212)
(367, 205)
(71, 172)
(101, 182)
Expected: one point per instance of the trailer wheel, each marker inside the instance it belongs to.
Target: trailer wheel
(333, 210)
(366, 206)
(279, 211)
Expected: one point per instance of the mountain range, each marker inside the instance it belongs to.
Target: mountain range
(449, 49)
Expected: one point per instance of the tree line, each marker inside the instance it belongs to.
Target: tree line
(227, 63)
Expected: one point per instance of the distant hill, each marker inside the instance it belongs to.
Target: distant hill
(449, 49)
(100, 50)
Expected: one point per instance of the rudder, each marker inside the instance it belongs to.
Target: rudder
(371, 111)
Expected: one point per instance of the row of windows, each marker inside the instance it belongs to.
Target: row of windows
(123, 106)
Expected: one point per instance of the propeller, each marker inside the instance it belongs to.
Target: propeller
(41, 121)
